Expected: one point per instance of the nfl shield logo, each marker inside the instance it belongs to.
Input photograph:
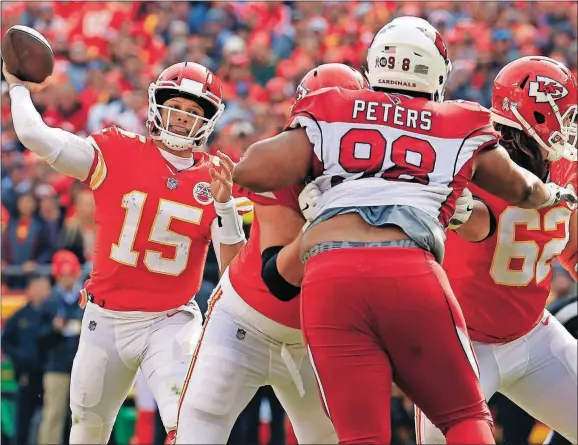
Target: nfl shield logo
(241, 333)
(172, 183)
(92, 325)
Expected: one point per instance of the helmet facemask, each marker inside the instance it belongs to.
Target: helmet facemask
(159, 129)
(561, 143)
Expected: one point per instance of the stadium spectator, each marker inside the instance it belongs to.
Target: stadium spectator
(59, 333)
(20, 344)
(79, 228)
(25, 243)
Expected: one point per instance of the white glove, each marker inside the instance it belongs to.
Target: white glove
(558, 194)
(464, 207)
(308, 201)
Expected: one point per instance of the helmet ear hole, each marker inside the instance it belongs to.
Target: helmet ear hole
(523, 83)
(539, 117)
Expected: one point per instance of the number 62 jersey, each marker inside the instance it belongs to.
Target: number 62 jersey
(503, 282)
(154, 224)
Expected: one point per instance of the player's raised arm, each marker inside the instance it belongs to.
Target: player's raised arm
(496, 173)
(272, 164)
(67, 153)
(227, 230)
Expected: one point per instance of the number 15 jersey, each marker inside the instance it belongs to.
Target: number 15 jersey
(154, 224)
(377, 149)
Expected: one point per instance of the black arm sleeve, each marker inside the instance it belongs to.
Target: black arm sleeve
(276, 284)
(493, 222)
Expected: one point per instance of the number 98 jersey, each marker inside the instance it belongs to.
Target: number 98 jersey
(154, 224)
(503, 282)
(378, 149)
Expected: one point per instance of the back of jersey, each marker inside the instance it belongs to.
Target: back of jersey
(378, 149)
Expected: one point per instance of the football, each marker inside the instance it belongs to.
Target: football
(27, 54)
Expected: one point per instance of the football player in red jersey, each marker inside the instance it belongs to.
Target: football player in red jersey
(250, 337)
(502, 281)
(391, 163)
(159, 202)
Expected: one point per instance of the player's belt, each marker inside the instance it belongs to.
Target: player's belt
(330, 245)
(85, 296)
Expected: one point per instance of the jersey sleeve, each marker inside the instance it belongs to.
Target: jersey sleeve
(309, 110)
(308, 113)
(287, 197)
(477, 123)
(108, 145)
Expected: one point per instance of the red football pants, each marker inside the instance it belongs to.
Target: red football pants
(376, 315)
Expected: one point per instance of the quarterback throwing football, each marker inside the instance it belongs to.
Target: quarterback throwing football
(159, 203)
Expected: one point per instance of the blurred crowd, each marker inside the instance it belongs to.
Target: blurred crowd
(107, 53)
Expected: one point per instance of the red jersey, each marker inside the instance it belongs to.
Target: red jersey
(503, 282)
(245, 269)
(153, 224)
(408, 151)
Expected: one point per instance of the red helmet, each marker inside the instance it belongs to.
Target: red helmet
(539, 96)
(331, 75)
(192, 81)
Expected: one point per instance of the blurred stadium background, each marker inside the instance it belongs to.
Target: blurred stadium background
(107, 53)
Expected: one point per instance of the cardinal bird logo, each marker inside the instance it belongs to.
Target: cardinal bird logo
(544, 88)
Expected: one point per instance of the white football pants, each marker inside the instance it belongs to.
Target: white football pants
(537, 372)
(113, 345)
(239, 351)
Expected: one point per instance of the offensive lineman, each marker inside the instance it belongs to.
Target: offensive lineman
(522, 351)
(250, 338)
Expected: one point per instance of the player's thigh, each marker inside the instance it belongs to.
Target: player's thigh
(102, 375)
(352, 370)
(430, 350)
(226, 370)
(548, 391)
(306, 413)
(143, 397)
(426, 432)
(166, 359)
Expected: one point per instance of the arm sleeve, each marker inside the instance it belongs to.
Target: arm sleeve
(67, 153)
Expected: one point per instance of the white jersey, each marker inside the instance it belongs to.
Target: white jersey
(377, 149)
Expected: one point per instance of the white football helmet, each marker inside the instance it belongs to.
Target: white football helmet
(409, 54)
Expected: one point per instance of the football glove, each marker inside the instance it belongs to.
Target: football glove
(308, 201)
(464, 207)
(558, 194)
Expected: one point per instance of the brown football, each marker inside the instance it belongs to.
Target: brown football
(27, 54)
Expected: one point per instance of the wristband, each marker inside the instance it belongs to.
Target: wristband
(14, 85)
(230, 223)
